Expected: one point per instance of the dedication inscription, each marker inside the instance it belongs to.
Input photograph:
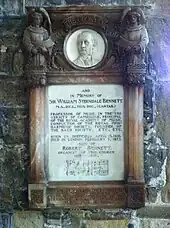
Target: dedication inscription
(86, 133)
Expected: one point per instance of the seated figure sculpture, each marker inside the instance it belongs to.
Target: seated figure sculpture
(37, 42)
(134, 37)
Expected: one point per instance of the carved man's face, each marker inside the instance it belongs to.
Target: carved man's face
(132, 19)
(37, 19)
(85, 43)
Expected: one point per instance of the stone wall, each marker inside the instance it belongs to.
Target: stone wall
(14, 156)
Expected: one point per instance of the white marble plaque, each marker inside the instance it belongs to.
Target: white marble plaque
(86, 133)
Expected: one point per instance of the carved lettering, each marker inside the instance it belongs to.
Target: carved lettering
(86, 132)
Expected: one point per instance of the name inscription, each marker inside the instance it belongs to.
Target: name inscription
(85, 124)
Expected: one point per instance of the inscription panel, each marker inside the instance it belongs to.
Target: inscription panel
(85, 129)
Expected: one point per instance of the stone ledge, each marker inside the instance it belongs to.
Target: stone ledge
(155, 211)
(28, 219)
(108, 224)
(96, 214)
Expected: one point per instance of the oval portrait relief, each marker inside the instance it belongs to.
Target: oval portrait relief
(85, 48)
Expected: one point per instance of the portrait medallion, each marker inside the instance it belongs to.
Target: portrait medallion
(85, 48)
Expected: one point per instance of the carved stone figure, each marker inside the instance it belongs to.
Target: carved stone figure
(133, 40)
(37, 41)
(85, 46)
(134, 37)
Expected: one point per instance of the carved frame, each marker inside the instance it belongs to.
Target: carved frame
(129, 193)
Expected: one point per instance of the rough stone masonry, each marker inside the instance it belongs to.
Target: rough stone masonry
(14, 156)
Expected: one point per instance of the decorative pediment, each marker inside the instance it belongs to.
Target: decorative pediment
(116, 43)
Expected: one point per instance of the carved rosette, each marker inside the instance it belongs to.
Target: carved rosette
(36, 77)
(136, 74)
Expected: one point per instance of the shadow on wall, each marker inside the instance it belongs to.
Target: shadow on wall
(159, 45)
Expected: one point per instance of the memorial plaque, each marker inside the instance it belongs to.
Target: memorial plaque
(85, 79)
(86, 133)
